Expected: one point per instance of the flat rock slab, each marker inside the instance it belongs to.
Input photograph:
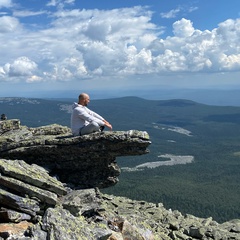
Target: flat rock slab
(33, 192)
(31, 174)
(16, 202)
(7, 215)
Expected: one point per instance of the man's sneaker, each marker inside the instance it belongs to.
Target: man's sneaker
(101, 128)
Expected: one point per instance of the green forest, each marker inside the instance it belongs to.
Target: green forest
(209, 186)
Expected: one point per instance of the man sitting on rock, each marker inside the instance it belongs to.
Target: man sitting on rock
(85, 121)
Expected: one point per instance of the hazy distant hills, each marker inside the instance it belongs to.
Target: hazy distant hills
(229, 96)
(194, 159)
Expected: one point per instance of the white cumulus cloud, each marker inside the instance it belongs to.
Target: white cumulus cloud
(79, 44)
(21, 67)
(183, 28)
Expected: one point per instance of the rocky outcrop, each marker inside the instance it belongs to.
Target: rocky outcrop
(82, 162)
(31, 188)
(36, 204)
(88, 214)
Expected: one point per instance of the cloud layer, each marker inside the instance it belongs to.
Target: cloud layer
(85, 44)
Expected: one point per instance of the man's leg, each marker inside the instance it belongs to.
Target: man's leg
(90, 128)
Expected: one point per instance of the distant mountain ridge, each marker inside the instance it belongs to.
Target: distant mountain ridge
(212, 96)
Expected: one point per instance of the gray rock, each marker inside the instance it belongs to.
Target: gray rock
(16, 202)
(31, 174)
(81, 202)
(196, 232)
(101, 234)
(232, 226)
(35, 232)
(9, 125)
(7, 215)
(32, 191)
(61, 225)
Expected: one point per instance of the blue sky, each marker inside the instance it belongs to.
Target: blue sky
(70, 46)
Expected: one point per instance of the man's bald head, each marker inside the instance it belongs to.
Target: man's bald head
(83, 99)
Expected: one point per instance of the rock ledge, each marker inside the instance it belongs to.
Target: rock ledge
(82, 162)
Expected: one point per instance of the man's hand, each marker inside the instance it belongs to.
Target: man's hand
(107, 124)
